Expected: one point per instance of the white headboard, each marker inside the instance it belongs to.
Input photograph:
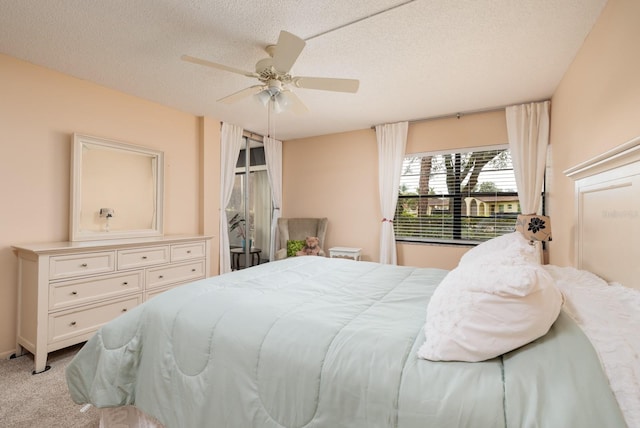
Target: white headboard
(607, 207)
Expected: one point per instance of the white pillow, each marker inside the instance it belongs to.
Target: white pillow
(511, 248)
(609, 315)
(483, 309)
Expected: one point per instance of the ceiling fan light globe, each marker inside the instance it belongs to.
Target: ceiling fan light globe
(283, 100)
(277, 106)
(263, 97)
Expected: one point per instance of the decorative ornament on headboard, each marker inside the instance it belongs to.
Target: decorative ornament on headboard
(534, 227)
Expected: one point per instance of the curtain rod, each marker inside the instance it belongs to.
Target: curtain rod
(466, 113)
(252, 135)
(249, 134)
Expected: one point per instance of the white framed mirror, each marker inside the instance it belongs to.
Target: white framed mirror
(116, 190)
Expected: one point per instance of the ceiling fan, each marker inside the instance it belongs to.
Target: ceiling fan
(274, 77)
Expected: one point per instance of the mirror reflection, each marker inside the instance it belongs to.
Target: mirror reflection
(117, 190)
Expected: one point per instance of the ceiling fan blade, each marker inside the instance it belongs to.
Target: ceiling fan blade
(206, 63)
(287, 50)
(236, 96)
(294, 103)
(327, 84)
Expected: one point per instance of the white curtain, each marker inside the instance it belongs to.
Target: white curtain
(273, 154)
(231, 144)
(392, 140)
(528, 131)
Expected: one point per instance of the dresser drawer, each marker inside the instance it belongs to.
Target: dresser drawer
(67, 324)
(141, 257)
(81, 264)
(78, 292)
(158, 290)
(192, 250)
(160, 276)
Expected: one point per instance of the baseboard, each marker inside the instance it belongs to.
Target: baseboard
(7, 354)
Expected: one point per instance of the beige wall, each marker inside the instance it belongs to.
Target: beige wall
(595, 108)
(336, 176)
(210, 186)
(39, 111)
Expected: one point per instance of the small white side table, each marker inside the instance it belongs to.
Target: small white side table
(345, 253)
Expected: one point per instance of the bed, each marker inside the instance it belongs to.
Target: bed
(317, 342)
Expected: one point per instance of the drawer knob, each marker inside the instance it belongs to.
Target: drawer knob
(125, 283)
(83, 265)
(72, 323)
(124, 310)
(193, 270)
(144, 257)
(188, 251)
(74, 293)
(160, 276)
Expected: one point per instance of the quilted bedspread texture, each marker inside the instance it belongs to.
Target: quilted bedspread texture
(316, 342)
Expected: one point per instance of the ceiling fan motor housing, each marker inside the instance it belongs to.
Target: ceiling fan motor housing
(263, 65)
(274, 87)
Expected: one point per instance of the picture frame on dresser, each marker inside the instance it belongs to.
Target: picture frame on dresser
(68, 290)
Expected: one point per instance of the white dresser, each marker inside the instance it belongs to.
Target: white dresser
(67, 290)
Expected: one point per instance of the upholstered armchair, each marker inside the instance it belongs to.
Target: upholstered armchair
(299, 229)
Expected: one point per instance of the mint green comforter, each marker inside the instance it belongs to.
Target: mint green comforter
(316, 342)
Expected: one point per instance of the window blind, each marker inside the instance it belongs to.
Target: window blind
(465, 196)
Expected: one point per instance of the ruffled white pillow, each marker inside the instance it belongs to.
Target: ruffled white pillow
(609, 315)
(513, 247)
(490, 305)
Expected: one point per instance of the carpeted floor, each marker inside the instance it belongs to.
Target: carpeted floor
(40, 400)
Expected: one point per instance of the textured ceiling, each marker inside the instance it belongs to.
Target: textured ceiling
(414, 59)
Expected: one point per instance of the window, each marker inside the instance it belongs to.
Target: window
(457, 197)
(251, 198)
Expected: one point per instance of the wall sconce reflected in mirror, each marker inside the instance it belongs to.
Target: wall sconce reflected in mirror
(107, 213)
